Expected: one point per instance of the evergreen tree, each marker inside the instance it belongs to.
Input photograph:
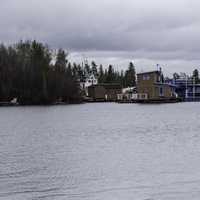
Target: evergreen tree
(87, 69)
(110, 75)
(27, 73)
(196, 75)
(130, 76)
(101, 75)
(94, 69)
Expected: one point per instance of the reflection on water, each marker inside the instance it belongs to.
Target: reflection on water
(100, 151)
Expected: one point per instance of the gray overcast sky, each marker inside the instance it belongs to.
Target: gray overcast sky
(110, 31)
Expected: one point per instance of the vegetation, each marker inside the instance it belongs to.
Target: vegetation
(27, 73)
(195, 76)
(126, 79)
(30, 73)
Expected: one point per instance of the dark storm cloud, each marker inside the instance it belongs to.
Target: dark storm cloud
(154, 29)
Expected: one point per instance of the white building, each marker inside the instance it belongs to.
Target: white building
(90, 80)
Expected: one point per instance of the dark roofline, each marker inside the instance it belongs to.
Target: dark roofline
(150, 72)
(102, 84)
(107, 85)
(171, 85)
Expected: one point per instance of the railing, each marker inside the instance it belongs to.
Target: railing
(142, 96)
(132, 96)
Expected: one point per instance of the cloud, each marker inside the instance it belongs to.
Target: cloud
(166, 31)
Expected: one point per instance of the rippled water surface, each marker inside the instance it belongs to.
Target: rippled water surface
(100, 152)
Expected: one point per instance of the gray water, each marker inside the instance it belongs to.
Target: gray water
(100, 152)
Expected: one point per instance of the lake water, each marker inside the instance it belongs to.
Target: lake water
(103, 151)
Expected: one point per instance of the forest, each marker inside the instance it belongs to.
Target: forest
(32, 74)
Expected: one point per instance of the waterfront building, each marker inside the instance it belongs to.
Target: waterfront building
(186, 88)
(104, 92)
(151, 85)
(128, 94)
(89, 80)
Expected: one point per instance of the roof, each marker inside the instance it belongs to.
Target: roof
(108, 85)
(168, 84)
(150, 72)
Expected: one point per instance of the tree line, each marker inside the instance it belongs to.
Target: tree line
(30, 72)
(125, 78)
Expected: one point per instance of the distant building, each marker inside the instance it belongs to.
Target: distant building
(186, 88)
(91, 80)
(129, 90)
(151, 85)
(128, 94)
(88, 81)
(104, 92)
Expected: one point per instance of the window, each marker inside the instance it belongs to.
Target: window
(146, 77)
(161, 91)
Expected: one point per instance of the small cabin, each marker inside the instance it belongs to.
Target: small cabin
(104, 92)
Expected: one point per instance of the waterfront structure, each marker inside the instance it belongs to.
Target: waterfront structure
(89, 80)
(151, 85)
(104, 92)
(186, 87)
(128, 94)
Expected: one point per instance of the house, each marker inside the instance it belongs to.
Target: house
(151, 85)
(104, 92)
(89, 80)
